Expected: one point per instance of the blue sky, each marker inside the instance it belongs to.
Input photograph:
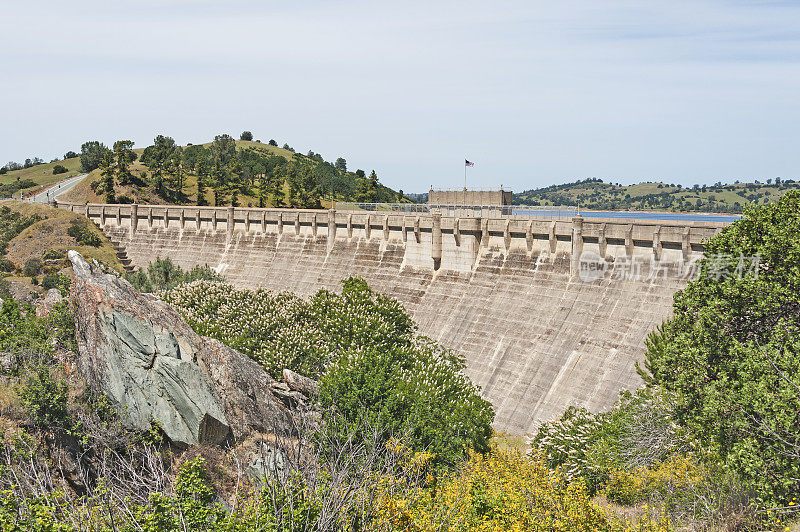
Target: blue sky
(534, 92)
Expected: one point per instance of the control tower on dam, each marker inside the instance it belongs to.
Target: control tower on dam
(548, 312)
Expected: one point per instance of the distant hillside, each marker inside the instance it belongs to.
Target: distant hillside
(24, 180)
(223, 172)
(595, 194)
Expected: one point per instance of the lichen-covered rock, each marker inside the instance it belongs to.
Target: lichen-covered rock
(145, 357)
(300, 383)
(45, 305)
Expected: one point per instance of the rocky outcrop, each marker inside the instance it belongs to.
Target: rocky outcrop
(142, 354)
(46, 305)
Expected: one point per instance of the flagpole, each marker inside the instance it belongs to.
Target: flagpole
(465, 173)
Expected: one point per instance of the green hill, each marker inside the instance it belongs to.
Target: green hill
(224, 172)
(25, 180)
(595, 194)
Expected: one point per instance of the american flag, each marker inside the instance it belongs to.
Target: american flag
(468, 163)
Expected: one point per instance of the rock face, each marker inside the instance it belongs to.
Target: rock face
(142, 354)
(300, 383)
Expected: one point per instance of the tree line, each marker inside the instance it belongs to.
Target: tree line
(220, 173)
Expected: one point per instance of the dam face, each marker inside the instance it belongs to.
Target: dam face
(548, 314)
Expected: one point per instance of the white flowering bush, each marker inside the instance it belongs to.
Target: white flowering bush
(285, 331)
(638, 432)
(563, 442)
(375, 372)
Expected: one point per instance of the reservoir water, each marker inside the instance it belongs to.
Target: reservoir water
(671, 216)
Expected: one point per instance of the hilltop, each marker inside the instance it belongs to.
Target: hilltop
(595, 194)
(224, 171)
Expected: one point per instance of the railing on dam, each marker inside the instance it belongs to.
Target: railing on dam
(464, 211)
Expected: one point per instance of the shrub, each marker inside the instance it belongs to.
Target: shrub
(420, 392)
(9, 189)
(33, 339)
(125, 199)
(499, 491)
(32, 267)
(57, 280)
(163, 274)
(59, 169)
(667, 481)
(45, 398)
(54, 254)
(637, 433)
(82, 234)
(731, 353)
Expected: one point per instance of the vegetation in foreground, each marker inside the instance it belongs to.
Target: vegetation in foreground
(710, 442)
(713, 437)
(719, 198)
(67, 463)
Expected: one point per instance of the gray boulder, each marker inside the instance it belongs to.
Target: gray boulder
(300, 383)
(142, 354)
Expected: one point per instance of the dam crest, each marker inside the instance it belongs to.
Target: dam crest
(547, 313)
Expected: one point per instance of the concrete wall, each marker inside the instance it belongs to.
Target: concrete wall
(470, 197)
(547, 313)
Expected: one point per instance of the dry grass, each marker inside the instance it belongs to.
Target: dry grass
(506, 441)
(51, 233)
(9, 400)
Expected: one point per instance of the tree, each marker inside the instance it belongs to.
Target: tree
(223, 150)
(92, 154)
(731, 353)
(273, 143)
(246, 135)
(177, 174)
(366, 187)
(59, 169)
(70, 155)
(123, 157)
(341, 164)
(107, 173)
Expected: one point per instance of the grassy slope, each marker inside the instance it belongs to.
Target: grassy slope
(43, 173)
(82, 192)
(51, 233)
(596, 195)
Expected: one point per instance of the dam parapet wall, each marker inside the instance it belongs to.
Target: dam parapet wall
(435, 241)
(547, 313)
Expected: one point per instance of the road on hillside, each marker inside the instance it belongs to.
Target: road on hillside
(56, 190)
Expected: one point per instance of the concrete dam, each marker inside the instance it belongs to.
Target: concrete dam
(548, 313)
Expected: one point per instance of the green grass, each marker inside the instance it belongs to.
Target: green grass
(273, 150)
(42, 174)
